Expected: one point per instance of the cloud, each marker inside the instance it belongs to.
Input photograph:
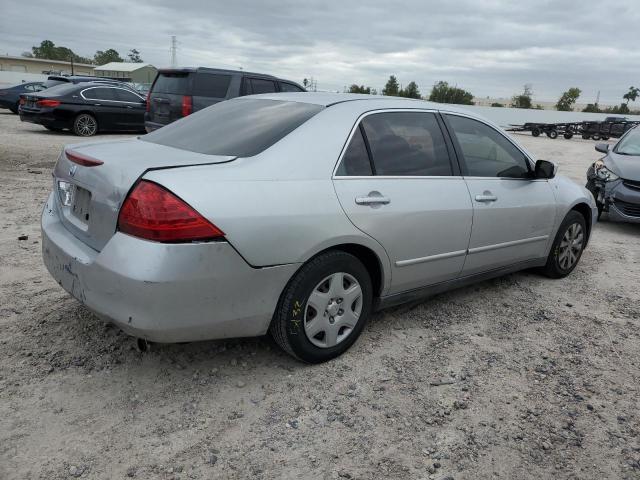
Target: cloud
(489, 47)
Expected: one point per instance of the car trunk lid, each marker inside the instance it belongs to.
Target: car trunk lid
(98, 191)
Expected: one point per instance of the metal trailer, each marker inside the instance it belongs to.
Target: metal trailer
(587, 129)
(551, 130)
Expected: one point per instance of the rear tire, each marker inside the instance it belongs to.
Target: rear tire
(568, 135)
(339, 285)
(552, 134)
(567, 247)
(85, 125)
(535, 132)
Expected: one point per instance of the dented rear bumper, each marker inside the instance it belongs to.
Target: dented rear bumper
(164, 292)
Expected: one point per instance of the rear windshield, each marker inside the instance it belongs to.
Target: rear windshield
(241, 127)
(51, 83)
(61, 88)
(176, 83)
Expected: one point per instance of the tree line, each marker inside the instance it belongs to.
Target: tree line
(442, 92)
(50, 51)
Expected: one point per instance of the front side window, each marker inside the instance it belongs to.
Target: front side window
(487, 153)
(407, 144)
(355, 162)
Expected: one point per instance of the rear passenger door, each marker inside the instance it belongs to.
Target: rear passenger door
(397, 182)
(105, 106)
(132, 110)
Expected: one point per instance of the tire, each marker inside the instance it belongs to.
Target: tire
(604, 137)
(552, 134)
(568, 135)
(535, 132)
(558, 265)
(585, 136)
(316, 283)
(595, 137)
(85, 125)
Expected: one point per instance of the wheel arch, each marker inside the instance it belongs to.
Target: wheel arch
(585, 210)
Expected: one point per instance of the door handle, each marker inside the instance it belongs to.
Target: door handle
(486, 198)
(373, 200)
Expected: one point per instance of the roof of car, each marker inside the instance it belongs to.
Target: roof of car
(327, 99)
(214, 70)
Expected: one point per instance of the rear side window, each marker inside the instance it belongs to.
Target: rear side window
(259, 85)
(211, 85)
(242, 127)
(407, 144)
(176, 83)
(289, 87)
(126, 96)
(100, 93)
(355, 162)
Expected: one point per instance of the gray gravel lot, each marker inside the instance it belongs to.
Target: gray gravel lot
(519, 377)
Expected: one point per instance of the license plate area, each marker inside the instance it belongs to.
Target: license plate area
(81, 204)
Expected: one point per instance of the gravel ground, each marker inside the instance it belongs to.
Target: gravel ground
(519, 377)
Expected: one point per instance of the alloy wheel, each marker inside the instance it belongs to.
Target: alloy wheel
(570, 246)
(86, 125)
(332, 310)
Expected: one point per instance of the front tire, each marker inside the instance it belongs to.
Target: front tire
(567, 247)
(85, 125)
(324, 308)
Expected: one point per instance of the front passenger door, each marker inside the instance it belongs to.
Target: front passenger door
(513, 213)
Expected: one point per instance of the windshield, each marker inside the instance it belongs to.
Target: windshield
(630, 144)
(241, 128)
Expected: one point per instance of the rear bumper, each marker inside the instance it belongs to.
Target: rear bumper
(164, 292)
(46, 118)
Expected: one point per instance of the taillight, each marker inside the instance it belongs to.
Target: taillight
(80, 159)
(47, 103)
(187, 105)
(154, 213)
(148, 104)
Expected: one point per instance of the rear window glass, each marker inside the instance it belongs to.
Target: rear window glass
(59, 89)
(211, 85)
(241, 127)
(51, 83)
(173, 83)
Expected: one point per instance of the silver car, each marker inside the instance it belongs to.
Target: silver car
(300, 215)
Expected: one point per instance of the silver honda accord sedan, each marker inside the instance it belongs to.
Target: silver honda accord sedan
(300, 215)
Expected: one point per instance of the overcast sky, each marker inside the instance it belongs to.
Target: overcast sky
(490, 48)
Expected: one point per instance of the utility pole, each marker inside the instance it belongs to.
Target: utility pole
(72, 64)
(598, 98)
(174, 57)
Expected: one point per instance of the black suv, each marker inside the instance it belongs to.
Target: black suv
(176, 93)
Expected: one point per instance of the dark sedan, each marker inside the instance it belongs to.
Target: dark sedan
(614, 180)
(10, 96)
(85, 108)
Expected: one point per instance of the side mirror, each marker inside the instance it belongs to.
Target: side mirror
(602, 147)
(545, 169)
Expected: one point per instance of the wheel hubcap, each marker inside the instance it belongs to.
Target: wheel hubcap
(333, 310)
(570, 246)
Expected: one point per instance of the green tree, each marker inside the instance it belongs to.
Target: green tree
(524, 99)
(443, 93)
(411, 91)
(496, 104)
(134, 56)
(360, 89)
(568, 99)
(631, 95)
(107, 56)
(592, 108)
(50, 51)
(391, 88)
